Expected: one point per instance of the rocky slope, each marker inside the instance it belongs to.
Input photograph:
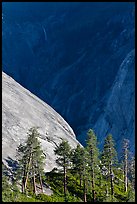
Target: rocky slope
(22, 110)
(118, 117)
(70, 55)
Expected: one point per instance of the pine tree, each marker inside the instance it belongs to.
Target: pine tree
(31, 160)
(132, 171)
(85, 173)
(93, 159)
(109, 159)
(125, 162)
(80, 166)
(64, 159)
(77, 160)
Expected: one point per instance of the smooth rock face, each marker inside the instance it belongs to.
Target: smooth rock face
(70, 55)
(22, 110)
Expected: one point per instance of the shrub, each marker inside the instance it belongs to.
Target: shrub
(44, 197)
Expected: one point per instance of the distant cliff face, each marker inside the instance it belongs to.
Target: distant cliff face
(71, 56)
(118, 116)
(22, 110)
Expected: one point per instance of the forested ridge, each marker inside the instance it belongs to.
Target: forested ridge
(84, 174)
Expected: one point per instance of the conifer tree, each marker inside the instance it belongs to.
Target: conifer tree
(125, 162)
(31, 160)
(85, 173)
(109, 159)
(80, 165)
(132, 171)
(93, 159)
(77, 160)
(64, 158)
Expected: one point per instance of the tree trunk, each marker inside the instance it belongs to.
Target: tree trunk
(23, 190)
(34, 183)
(26, 180)
(23, 180)
(80, 180)
(125, 147)
(93, 186)
(93, 192)
(40, 180)
(65, 181)
(25, 184)
(111, 181)
(125, 172)
(85, 193)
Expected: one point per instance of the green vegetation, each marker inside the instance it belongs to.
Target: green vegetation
(64, 153)
(109, 160)
(84, 174)
(31, 162)
(93, 161)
